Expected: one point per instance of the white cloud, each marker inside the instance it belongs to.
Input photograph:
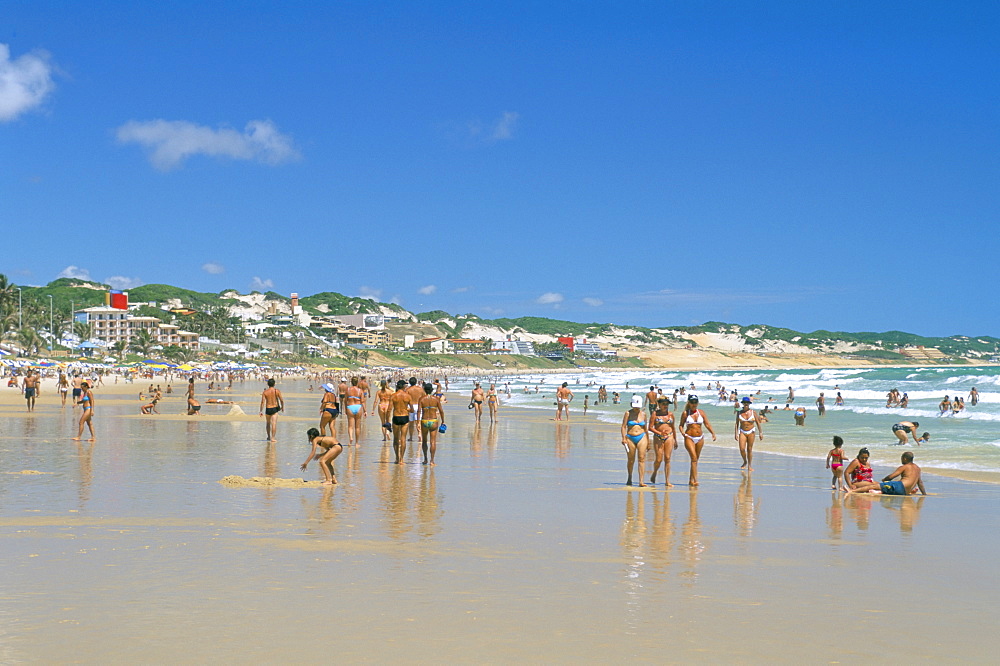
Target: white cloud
(75, 272)
(369, 292)
(213, 268)
(428, 290)
(503, 129)
(256, 284)
(549, 298)
(460, 290)
(24, 82)
(594, 302)
(170, 142)
(121, 282)
(396, 299)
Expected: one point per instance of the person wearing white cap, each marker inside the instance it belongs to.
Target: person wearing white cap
(634, 438)
(329, 409)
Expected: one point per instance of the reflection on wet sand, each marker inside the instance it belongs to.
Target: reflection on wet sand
(859, 507)
(745, 508)
(85, 459)
(907, 509)
(692, 545)
(835, 514)
(398, 485)
(562, 439)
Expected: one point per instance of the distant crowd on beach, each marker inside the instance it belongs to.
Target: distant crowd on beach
(653, 426)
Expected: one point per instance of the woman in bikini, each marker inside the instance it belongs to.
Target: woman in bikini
(493, 401)
(664, 439)
(355, 405)
(858, 471)
(634, 438)
(331, 449)
(86, 401)
(693, 420)
(329, 409)
(835, 463)
(747, 425)
(431, 419)
(383, 396)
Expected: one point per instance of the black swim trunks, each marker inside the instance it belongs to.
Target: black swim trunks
(271, 411)
(400, 420)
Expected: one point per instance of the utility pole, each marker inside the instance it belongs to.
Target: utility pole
(19, 324)
(51, 333)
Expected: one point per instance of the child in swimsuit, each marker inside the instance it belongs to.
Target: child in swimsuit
(835, 463)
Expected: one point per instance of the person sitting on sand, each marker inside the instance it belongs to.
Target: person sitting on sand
(331, 449)
(904, 428)
(858, 472)
(909, 478)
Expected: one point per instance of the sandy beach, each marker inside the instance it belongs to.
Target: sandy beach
(522, 544)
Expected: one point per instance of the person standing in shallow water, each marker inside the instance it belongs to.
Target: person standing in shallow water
(563, 397)
(271, 402)
(400, 420)
(87, 415)
(747, 426)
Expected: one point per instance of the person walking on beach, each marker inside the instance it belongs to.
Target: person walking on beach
(400, 419)
(493, 401)
(563, 397)
(664, 431)
(331, 449)
(329, 409)
(835, 463)
(356, 412)
(634, 438)
(271, 402)
(904, 428)
(746, 429)
(63, 386)
(384, 397)
(76, 383)
(31, 389)
(431, 419)
(476, 401)
(87, 415)
(693, 420)
(909, 478)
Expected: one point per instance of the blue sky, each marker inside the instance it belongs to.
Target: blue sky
(810, 165)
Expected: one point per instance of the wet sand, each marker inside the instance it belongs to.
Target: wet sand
(522, 544)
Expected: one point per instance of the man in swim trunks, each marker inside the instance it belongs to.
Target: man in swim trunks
(563, 396)
(31, 389)
(909, 478)
(476, 401)
(904, 428)
(652, 398)
(271, 402)
(400, 419)
(416, 393)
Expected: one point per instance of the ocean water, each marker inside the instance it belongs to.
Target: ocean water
(966, 444)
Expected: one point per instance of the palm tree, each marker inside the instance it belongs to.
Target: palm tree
(119, 347)
(179, 354)
(142, 342)
(29, 340)
(7, 295)
(82, 330)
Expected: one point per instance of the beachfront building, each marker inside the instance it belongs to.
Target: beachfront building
(516, 347)
(111, 325)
